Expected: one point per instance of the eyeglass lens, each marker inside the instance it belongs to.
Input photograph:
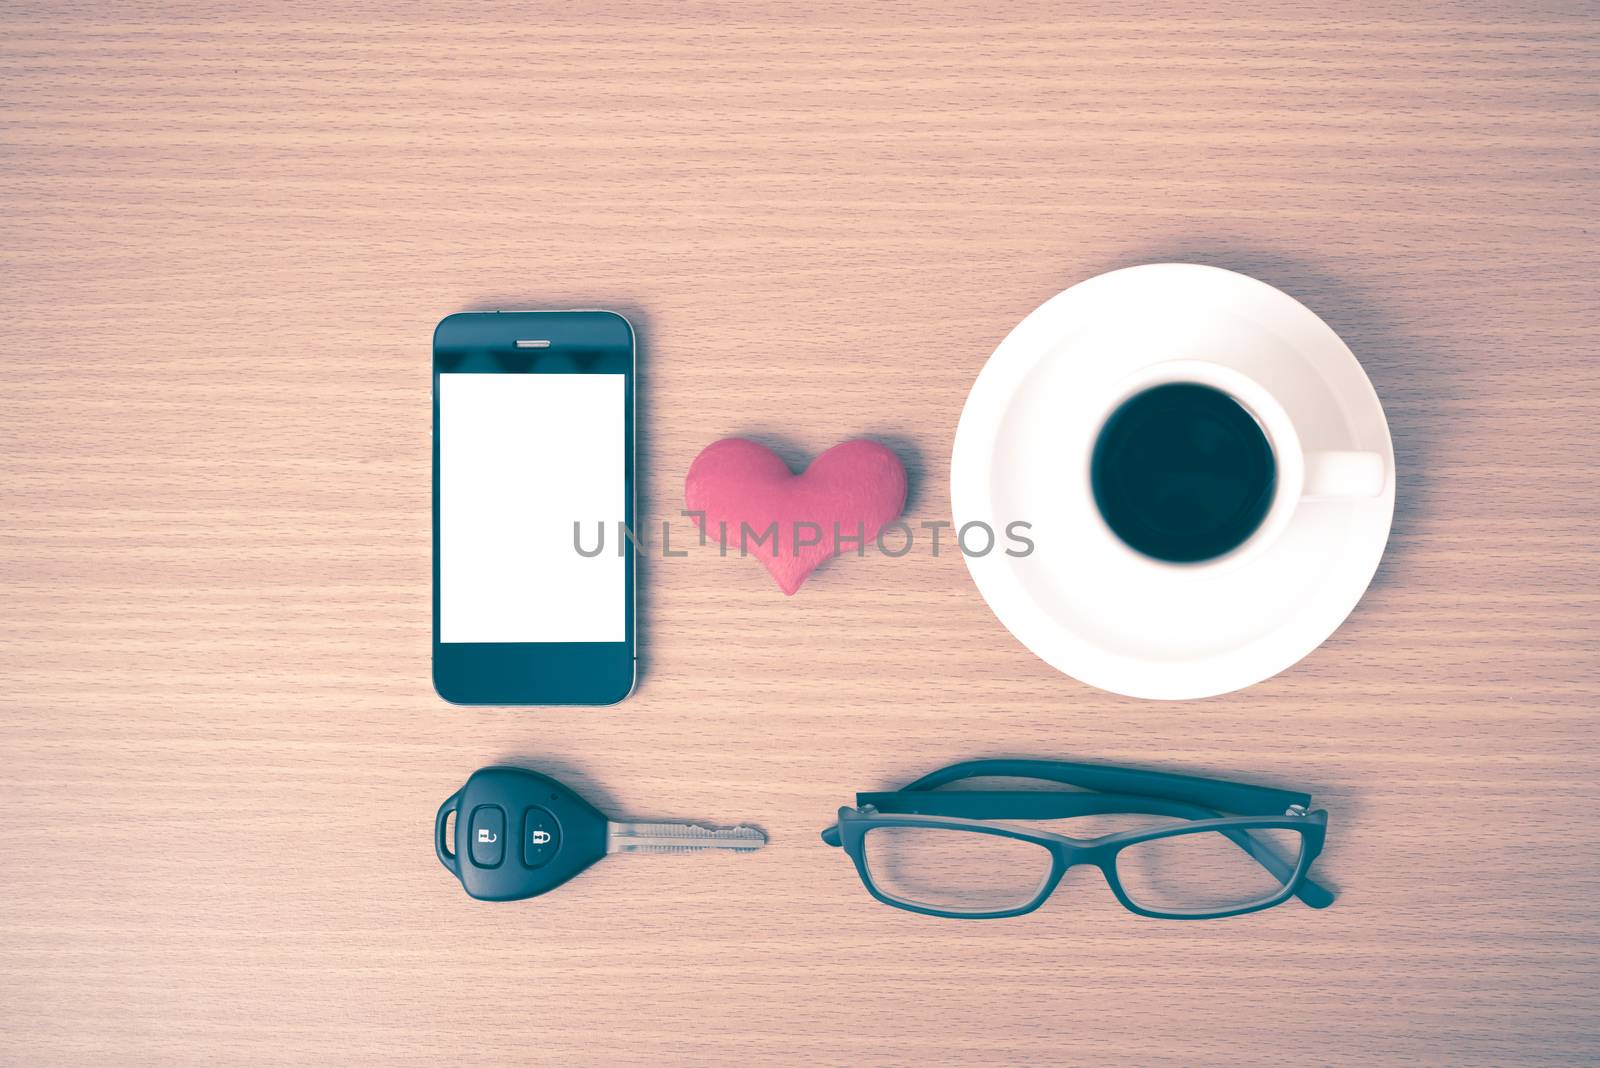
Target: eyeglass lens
(953, 870)
(1209, 871)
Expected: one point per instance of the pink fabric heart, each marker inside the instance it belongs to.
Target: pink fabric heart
(745, 490)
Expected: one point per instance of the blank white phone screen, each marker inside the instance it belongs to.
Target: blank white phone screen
(522, 457)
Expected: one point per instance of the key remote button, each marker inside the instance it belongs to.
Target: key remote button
(577, 830)
(487, 836)
(541, 837)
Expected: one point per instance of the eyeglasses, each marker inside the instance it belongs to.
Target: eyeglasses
(943, 854)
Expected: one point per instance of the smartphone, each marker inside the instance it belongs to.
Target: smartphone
(533, 470)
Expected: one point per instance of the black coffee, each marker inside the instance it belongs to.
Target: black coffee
(1183, 473)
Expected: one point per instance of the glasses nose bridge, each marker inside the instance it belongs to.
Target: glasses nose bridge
(1071, 853)
(1074, 853)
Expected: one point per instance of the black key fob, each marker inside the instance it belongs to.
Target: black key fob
(518, 834)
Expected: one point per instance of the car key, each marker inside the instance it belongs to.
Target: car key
(521, 834)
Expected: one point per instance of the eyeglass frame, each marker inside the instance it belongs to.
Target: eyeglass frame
(1104, 790)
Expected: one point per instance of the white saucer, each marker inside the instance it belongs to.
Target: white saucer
(1104, 615)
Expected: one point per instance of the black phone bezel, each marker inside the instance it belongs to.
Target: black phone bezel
(537, 673)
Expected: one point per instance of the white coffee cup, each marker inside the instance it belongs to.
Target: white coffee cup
(1113, 617)
(1300, 475)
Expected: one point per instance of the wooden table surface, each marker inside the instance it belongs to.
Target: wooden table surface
(227, 235)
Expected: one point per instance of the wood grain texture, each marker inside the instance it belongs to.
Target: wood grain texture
(227, 234)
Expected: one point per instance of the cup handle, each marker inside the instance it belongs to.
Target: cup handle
(1344, 474)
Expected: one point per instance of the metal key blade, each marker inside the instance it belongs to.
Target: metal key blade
(679, 838)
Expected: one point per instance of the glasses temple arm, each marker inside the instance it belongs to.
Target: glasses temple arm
(1309, 891)
(1242, 798)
